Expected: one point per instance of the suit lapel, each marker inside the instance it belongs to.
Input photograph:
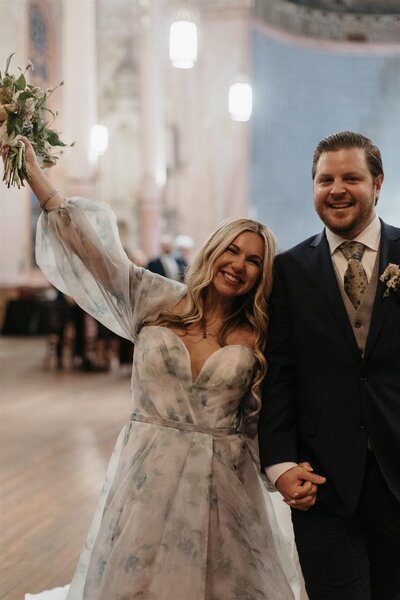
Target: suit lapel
(319, 262)
(389, 253)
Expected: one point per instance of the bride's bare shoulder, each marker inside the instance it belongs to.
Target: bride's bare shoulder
(242, 335)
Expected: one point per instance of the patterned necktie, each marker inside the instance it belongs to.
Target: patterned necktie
(355, 277)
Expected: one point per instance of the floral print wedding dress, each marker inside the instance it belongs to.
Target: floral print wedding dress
(182, 514)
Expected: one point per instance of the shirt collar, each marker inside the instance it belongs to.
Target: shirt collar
(370, 237)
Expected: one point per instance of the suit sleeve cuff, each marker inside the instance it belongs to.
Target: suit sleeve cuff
(273, 472)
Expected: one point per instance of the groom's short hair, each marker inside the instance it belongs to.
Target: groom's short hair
(349, 139)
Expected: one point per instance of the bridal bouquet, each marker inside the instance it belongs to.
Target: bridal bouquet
(22, 112)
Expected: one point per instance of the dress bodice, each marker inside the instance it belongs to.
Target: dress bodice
(163, 386)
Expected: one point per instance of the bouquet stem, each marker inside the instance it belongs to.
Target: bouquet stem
(15, 171)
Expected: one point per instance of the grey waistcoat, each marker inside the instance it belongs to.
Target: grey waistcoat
(360, 318)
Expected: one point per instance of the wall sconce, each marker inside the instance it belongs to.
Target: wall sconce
(98, 139)
(240, 101)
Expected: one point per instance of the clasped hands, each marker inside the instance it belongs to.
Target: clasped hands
(298, 486)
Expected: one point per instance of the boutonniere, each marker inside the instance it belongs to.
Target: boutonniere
(391, 276)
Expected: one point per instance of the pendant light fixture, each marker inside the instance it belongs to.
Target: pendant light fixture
(240, 99)
(183, 41)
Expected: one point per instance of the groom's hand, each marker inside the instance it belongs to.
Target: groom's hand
(298, 486)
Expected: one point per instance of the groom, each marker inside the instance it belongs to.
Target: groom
(329, 431)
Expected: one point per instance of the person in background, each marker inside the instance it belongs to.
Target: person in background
(182, 514)
(165, 264)
(183, 246)
(59, 316)
(329, 428)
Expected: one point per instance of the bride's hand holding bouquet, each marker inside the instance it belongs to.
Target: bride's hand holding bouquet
(40, 184)
(22, 115)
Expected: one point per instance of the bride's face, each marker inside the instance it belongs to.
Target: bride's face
(238, 268)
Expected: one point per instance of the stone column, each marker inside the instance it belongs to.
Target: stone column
(79, 110)
(14, 203)
(153, 159)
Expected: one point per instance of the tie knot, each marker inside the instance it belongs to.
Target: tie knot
(353, 250)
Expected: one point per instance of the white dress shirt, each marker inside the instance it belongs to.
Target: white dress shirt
(170, 266)
(370, 237)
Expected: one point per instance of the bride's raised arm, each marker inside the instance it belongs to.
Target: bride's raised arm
(79, 251)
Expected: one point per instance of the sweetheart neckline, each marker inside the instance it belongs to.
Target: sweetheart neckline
(193, 378)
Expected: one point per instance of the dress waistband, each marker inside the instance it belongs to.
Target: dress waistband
(214, 431)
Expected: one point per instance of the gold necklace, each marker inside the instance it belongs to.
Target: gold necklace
(205, 332)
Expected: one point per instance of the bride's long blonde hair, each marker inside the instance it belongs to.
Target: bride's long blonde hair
(249, 310)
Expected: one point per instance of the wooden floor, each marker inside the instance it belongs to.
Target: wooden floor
(57, 433)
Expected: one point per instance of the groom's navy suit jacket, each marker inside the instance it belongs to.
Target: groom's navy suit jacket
(322, 401)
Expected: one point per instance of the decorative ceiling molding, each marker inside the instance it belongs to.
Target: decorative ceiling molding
(211, 9)
(373, 7)
(360, 28)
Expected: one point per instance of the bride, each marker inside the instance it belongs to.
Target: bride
(183, 513)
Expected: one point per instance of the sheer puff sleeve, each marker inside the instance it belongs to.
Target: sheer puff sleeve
(79, 251)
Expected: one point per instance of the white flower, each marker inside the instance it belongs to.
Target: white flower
(5, 139)
(391, 276)
(30, 108)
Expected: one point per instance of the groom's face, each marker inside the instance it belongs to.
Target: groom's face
(345, 192)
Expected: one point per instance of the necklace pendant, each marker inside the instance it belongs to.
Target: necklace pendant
(208, 333)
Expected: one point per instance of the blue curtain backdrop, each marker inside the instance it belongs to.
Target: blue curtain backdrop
(301, 94)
